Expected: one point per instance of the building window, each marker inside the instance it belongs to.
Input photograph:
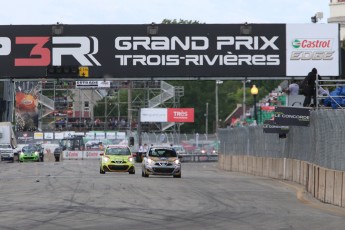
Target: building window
(86, 106)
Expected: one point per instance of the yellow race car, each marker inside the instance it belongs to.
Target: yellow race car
(117, 158)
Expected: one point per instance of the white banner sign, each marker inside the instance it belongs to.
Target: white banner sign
(311, 46)
(92, 84)
(154, 115)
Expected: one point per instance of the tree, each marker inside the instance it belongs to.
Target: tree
(181, 21)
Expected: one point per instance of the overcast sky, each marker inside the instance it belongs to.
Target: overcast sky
(23, 12)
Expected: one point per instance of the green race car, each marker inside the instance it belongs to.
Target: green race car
(117, 158)
(29, 153)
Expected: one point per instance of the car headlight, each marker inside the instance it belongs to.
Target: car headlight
(36, 153)
(105, 159)
(177, 161)
(130, 159)
(203, 151)
(21, 153)
(150, 162)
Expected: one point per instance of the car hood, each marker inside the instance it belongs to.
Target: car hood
(169, 159)
(29, 152)
(116, 157)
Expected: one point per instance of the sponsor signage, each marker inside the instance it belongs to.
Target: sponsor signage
(120, 135)
(181, 115)
(128, 51)
(309, 46)
(59, 135)
(269, 126)
(167, 115)
(292, 116)
(206, 158)
(72, 154)
(92, 154)
(111, 135)
(100, 135)
(153, 115)
(92, 84)
(189, 50)
(48, 136)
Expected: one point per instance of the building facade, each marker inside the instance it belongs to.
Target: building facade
(337, 15)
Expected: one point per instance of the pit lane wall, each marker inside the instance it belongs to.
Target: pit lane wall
(311, 156)
(93, 154)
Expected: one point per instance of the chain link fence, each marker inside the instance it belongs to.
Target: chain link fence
(321, 143)
(191, 143)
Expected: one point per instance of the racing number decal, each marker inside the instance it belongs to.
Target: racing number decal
(37, 50)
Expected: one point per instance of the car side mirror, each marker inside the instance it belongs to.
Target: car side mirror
(180, 157)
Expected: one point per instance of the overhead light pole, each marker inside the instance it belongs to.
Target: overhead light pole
(254, 91)
(206, 119)
(218, 82)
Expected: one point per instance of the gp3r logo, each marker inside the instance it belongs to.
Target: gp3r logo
(81, 48)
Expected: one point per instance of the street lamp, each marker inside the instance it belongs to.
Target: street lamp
(254, 91)
(218, 82)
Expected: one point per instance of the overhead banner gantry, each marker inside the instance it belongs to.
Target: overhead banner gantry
(168, 51)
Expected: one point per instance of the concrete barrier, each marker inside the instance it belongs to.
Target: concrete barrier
(250, 165)
(245, 162)
(324, 184)
(259, 169)
(316, 181)
(265, 166)
(228, 163)
(311, 179)
(329, 186)
(343, 192)
(296, 170)
(221, 161)
(241, 164)
(234, 163)
(338, 184)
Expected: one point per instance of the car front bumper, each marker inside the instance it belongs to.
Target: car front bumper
(28, 157)
(163, 170)
(117, 167)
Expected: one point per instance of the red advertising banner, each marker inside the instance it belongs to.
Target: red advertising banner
(180, 114)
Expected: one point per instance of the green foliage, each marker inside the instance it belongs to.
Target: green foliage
(230, 93)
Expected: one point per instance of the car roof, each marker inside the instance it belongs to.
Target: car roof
(161, 147)
(117, 146)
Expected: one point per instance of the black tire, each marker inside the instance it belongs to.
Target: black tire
(177, 176)
(132, 171)
(101, 171)
(144, 174)
(57, 158)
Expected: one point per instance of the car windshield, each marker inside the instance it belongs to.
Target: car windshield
(29, 149)
(162, 153)
(118, 151)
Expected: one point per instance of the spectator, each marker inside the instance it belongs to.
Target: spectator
(323, 92)
(293, 88)
(310, 88)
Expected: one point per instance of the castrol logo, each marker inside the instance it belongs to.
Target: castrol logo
(312, 43)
